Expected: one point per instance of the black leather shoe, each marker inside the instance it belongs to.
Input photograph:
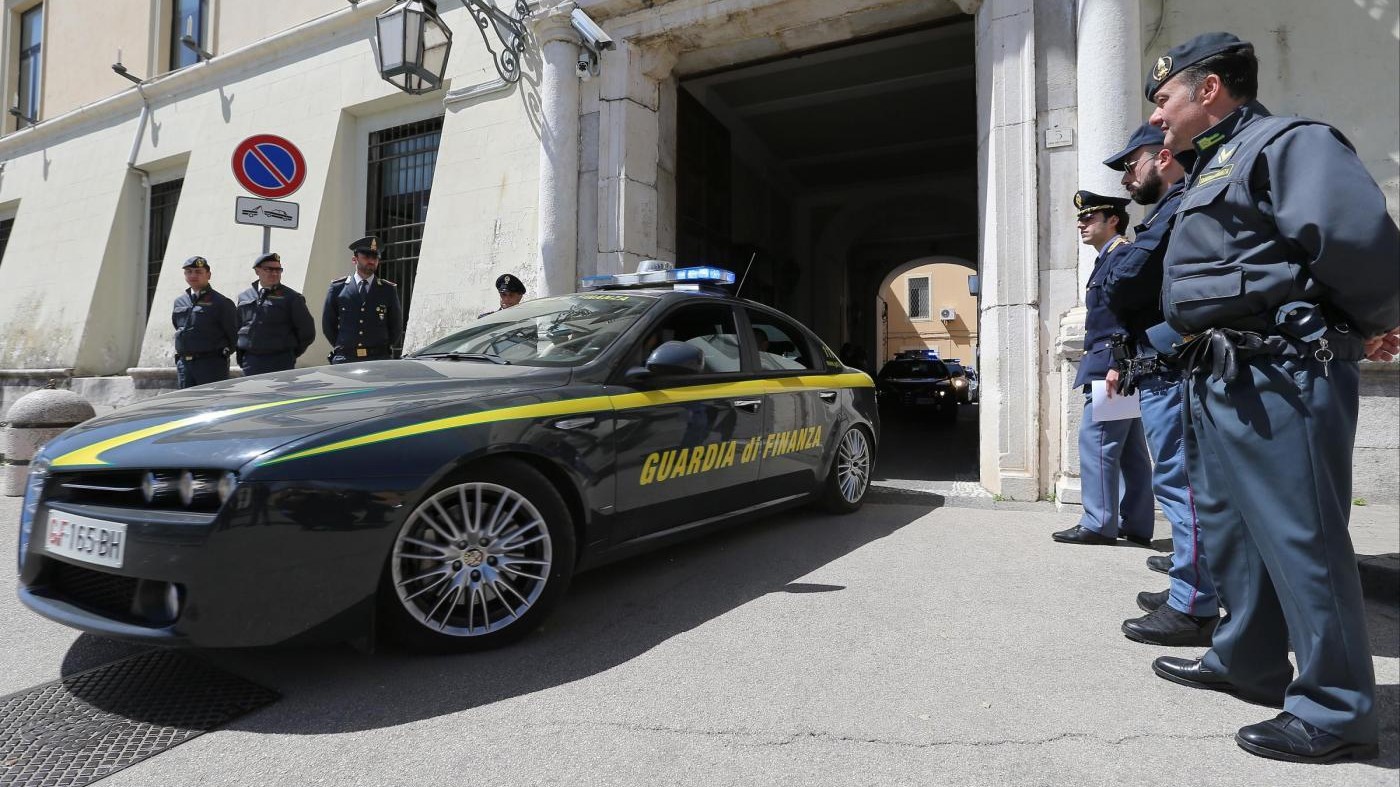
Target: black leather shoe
(1160, 563)
(1166, 626)
(1143, 541)
(1191, 672)
(1081, 535)
(1149, 602)
(1287, 737)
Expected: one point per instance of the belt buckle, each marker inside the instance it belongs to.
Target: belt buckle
(361, 352)
(189, 357)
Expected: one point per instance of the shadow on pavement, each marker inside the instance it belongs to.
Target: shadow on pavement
(611, 616)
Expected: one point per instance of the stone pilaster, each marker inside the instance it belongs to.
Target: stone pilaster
(559, 134)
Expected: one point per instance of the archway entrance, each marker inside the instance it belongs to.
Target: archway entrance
(815, 176)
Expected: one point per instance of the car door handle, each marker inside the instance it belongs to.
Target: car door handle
(828, 396)
(751, 405)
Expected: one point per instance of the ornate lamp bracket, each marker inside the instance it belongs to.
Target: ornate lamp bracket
(509, 29)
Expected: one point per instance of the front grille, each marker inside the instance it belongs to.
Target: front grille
(95, 591)
(122, 489)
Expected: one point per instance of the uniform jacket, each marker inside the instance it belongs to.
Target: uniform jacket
(1280, 209)
(1100, 323)
(275, 321)
(1133, 286)
(206, 325)
(349, 321)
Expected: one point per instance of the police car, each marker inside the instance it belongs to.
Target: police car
(446, 498)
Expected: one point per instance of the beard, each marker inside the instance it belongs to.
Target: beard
(1149, 191)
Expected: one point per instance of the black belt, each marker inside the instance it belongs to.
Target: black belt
(365, 352)
(197, 356)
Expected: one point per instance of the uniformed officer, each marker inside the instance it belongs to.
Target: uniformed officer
(1110, 452)
(511, 291)
(1280, 276)
(361, 316)
(1185, 613)
(206, 329)
(275, 324)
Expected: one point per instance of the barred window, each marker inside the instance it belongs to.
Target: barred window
(918, 298)
(401, 164)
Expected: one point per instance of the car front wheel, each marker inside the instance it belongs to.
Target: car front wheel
(849, 479)
(480, 561)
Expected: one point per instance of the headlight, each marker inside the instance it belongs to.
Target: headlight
(33, 490)
(227, 483)
(157, 486)
(193, 486)
(959, 383)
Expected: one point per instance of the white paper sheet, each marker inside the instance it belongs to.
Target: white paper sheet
(1115, 409)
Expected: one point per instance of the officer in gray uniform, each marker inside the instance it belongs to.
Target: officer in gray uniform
(206, 328)
(1185, 613)
(1114, 470)
(511, 290)
(1281, 274)
(276, 327)
(361, 317)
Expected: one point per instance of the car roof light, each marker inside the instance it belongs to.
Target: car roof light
(651, 276)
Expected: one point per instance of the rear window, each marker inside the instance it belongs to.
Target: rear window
(914, 370)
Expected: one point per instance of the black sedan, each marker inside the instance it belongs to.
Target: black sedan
(915, 385)
(447, 498)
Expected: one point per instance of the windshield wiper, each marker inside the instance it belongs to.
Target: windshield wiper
(492, 357)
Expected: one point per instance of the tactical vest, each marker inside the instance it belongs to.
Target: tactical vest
(1227, 265)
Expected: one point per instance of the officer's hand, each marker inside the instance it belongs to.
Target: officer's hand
(1111, 382)
(1384, 348)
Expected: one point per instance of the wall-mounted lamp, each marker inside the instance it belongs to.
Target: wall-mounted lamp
(122, 72)
(411, 46)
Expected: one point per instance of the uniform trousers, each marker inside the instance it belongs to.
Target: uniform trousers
(262, 363)
(1270, 459)
(198, 371)
(1115, 476)
(1160, 397)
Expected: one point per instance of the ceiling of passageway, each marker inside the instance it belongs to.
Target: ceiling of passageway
(892, 108)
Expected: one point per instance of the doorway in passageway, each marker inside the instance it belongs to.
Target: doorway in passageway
(841, 186)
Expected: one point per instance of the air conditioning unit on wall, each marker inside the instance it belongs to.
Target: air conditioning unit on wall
(947, 314)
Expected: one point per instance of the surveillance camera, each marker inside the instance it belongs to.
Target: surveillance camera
(584, 68)
(594, 37)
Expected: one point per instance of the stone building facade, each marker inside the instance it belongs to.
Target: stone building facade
(819, 145)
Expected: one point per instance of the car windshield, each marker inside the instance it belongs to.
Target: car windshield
(956, 370)
(567, 330)
(914, 370)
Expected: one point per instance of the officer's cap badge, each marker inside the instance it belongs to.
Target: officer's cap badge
(374, 244)
(1079, 200)
(1163, 67)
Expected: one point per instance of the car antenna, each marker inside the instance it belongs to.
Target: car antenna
(745, 277)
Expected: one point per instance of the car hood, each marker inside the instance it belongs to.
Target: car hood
(226, 425)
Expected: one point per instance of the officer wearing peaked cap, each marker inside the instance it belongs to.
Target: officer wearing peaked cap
(1280, 276)
(275, 326)
(1187, 612)
(1110, 452)
(510, 289)
(206, 328)
(361, 318)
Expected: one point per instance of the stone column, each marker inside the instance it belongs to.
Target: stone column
(559, 134)
(1009, 240)
(1109, 74)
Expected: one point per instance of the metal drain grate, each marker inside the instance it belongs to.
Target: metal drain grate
(76, 730)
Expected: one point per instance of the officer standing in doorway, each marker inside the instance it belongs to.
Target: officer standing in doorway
(1281, 274)
(276, 327)
(361, 316)
(1115, 473)
(206, 328)
(511, 290)
(1185, 613)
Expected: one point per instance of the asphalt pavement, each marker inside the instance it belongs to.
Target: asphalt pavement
(896, 646)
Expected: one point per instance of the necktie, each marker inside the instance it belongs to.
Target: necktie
(364, 287)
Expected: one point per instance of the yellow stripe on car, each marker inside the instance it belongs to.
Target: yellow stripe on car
(589, 404)
(92, 454)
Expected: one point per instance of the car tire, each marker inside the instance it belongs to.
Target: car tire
(848, 481)
(457, 582)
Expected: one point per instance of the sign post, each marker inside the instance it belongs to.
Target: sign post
(270, 167)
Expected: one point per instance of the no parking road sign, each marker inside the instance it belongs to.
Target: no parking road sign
(269, 166)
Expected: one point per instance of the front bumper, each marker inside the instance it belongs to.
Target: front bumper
(278, 561)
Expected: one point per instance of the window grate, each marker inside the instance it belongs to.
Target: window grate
(918, 298)
(164, 198)
(401, 164)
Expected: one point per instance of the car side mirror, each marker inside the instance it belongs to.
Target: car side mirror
(673, 358)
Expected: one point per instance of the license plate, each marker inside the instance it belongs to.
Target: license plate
(86, 539)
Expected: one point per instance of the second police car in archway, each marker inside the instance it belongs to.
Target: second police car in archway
(449, 496)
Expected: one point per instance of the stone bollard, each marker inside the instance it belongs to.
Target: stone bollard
(35, 419)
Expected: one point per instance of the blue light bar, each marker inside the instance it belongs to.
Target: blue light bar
(703, 274)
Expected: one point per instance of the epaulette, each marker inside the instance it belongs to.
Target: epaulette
(386, 281)
(341, 280)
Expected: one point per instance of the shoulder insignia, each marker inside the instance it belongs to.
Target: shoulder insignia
(386, 281)
(341, 280)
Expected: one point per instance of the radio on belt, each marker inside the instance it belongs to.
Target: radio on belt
(654, 272)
